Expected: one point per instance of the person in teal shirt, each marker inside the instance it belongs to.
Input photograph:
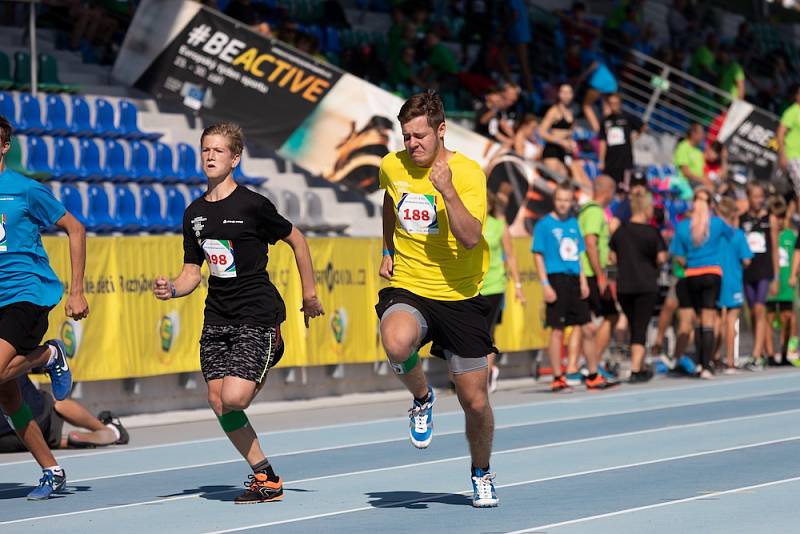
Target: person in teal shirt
(689, 162)
(780, 307)
(788, 137)
(29, 289)
(501, 261)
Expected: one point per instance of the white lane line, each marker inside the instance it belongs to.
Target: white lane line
(577, 400)
(515, 484)
(657, 505)
(402, 420)
(459, 458)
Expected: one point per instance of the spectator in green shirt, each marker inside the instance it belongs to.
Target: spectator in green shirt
(780, 307)
(690, 163)
(703, 63)
(731, 73)
(404, 70)
(442, 66)
(788, 137)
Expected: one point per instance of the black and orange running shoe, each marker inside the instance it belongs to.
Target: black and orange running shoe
(560, 384)
(599, 382)
(260, 489)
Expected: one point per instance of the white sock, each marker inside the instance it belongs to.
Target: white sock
(56, 469)
(52, 357)
(115, 429)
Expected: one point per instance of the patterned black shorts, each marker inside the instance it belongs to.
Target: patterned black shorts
(244, 351)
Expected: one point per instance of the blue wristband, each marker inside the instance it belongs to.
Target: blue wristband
(387, 252)
(545, 282)
(174, 291)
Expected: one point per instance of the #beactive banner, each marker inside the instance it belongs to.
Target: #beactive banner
(750, 136)
(131, 334)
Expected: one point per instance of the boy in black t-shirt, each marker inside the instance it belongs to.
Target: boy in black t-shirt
(231, 227)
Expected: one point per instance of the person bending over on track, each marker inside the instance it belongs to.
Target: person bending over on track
(557, 245)
(435, 258)
(697, 245)
(231, 228)
(29, 289)
(50, 414)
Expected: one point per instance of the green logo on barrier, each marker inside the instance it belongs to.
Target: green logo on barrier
(339, 325)
(166, 330)
(70, 338)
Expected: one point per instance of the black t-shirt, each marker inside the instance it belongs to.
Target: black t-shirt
(233, 235)
(616, 130)
(757, 231)
(637, 246)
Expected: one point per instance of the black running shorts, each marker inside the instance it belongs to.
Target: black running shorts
(244, 351)
(458, 326)
(23, 325)
(601, 305)
(569, 309)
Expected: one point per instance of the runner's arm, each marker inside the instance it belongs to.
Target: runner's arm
(389, 221)
(601, 154)
(76, 306)
(795, 265)
(593, 254)
(466, 228)
(511, 264)
(186, 282)
(302, 255)
(773, 235)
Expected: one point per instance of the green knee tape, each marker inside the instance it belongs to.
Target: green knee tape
(20, 419)
(406, 366)
(233, 421)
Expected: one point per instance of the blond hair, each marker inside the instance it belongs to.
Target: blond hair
(230, 131)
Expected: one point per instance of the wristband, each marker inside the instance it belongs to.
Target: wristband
(545, 282)
(518, 285)
(387, 252)
(174, 291)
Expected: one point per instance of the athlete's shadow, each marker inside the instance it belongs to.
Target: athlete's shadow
(415, 500)
(218, 493)
(15, 490)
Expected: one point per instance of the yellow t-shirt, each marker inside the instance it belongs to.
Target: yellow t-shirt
(428, 260)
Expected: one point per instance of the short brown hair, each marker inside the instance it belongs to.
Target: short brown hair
(229, 130)
(727, 208)
(5, 130)
(428, 104)
(565, 185)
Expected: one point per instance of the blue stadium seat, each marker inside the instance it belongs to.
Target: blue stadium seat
(89, 165)
(196, 192)
(332, 41)
(176, 205)
(152, 219)
(73, 202)
(81, 123)
(141, 170)
(129, 123)
(64, 168)
(105, 123)
(187, 165)
(164, 170)
(242, 178)
(99, 214)
(114, 168)
(30, 117)
(669, 171)
(125, 219)
(56, 116)
(38, 161)
(8, 108)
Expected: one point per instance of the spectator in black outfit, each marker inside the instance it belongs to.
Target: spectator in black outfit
(618, 131)
(639, 251)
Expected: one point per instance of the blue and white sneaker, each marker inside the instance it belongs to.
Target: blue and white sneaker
(420, 427)
(687, 365)
(574, 379)
(608, 375)
(60, 375)
(483, 494)
(49, 483)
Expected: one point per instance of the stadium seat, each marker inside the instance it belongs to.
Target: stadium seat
(152, 219)
(291, 206)
(125, 219)
(105, 122)
(30, 116)
(64, 168)
(22, 71)
(81, 123)
(187, 165)
(128, 123)
(48, 76)
(115, 169)
(6, 81)
(89, 165)
(196, 192)
(242, 178)
(176, 205)
(141, 170)
(98, 218)
(164, 170)
(271, 196)
(8, 108)
(668, 171)
(38, 160)
(13, 158)
(73, 202)
(56, 116)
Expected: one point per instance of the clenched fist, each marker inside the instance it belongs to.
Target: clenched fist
(441, 176)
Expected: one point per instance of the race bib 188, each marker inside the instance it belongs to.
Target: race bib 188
(417, 214)
(219, 255)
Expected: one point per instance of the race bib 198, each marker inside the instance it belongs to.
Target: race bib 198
(219, 255)
(417, 214)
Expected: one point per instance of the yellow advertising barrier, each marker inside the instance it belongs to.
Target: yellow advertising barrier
(131, 334)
